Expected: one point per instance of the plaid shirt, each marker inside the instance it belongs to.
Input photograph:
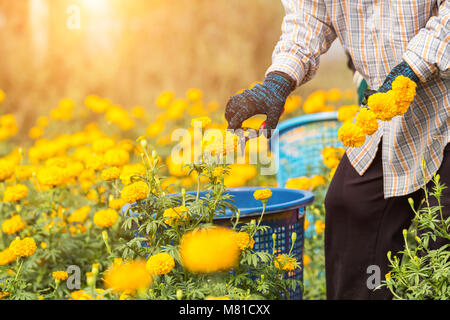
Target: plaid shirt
(379, 35)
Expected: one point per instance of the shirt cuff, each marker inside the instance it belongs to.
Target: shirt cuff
(421, 68)
(290, 65)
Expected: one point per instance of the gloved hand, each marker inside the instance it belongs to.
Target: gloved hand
(268, 98)
(401, 69)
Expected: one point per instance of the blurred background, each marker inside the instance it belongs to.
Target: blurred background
(131, 50)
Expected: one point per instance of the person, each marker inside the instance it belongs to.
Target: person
(367, 201)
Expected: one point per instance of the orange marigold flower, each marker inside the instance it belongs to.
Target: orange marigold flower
(13, 225)
(160, 263)
(23, 248)
(351, 135)
(135, 191)
(106, 218)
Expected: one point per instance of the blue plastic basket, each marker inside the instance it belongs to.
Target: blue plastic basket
(284, 214)
(300, 142)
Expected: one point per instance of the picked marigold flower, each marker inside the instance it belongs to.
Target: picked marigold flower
(110, 173)
(106, 218)
(130, 276)
(351, 135)
(60, 275)
(383, 105)
(286, 263)
(13, 225)
(135, 191)
(404, 87)
(209, 250)
(367, 121)
(160, 263)
(347, 113)
(23, 248)
(244, 240)
(15, 193)
(262, 194)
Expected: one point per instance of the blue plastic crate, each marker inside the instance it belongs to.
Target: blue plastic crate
(284, 214)
(300, 142)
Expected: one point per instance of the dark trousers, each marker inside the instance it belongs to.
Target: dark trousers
(361, 227)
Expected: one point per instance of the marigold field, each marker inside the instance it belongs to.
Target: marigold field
(64, 185)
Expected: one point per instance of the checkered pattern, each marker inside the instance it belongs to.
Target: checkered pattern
(379, 35)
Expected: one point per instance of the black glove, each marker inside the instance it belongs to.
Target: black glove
(402, 69)
(268, 98)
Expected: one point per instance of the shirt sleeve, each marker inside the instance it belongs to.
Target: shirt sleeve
(428, 51)
(306, 34)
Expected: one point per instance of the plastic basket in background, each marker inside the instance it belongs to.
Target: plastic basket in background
(298, 149)
(285, 212)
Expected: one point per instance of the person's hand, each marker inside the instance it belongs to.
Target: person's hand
(402, 69)
(267, 98)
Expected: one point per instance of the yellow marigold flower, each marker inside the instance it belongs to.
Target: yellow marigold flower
(60, 275)
(351, 135)
(301, 183)
(6, 169)
(160, 263)
(110, 173)
(95, 162)
(129, 276)
(176, 169)
(244, 240)
(80, 295)
(135, 191)
(194, 94)
(132, 171)
(176, 109)
(13, 225)
(316, 181)
(383, 105)
(367, 121)
(23, 248)
(319, 226)
(173, 215)
(92, 195)
(80, 215)
(404, 87)
(332, 172)
(164, 99)
(347, 112)
(6, 257)
(262, 194)
(43, 245)
(116, 157)
(15, 193)
(116, 204)
(209, 250)
(106, 218)
(285, 263)
(51, 176)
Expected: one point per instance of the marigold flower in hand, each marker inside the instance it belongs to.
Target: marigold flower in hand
(383, 105)
(347, 112)
(209, 250)
(351, 135)
(160, 263)
(367, 121)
